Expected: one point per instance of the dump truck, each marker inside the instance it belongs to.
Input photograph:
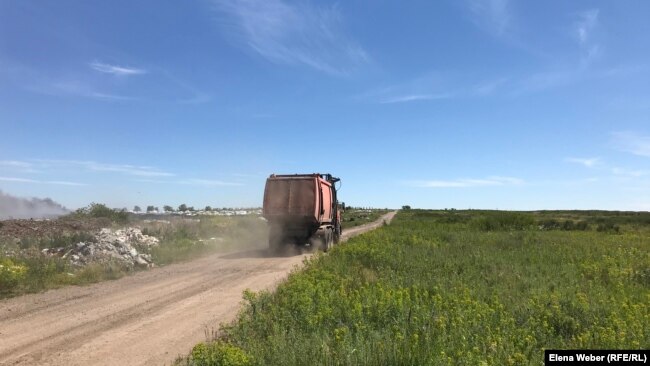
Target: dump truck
(302, 210)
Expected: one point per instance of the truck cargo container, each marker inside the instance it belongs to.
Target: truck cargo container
(302, 209)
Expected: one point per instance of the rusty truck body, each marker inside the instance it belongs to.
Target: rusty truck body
(302, 209)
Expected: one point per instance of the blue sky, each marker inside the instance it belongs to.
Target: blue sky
(466, 104)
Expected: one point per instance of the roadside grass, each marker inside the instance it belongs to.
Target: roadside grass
(356, 217)
(443, 288)
(33, 274)
(26, 270)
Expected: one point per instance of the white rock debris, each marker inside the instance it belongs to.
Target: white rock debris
(110, 245)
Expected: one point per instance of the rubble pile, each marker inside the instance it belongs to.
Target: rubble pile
(110, 245)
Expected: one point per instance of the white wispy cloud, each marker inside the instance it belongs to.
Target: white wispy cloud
(415, 97)
(547, 80)
(583, 30)
(488, 87)
(437, 86)
(491, 15)
(59, 167)
(630, 103)
(588, 162)
(141, 171)
(425, 87)
(198, 98)
(15, 179)
(115, 69)
(610, 169)
(248, 175)
(78, 88)
(106, 96)
(194, 95)
(16, 163)
(155, 181)
(26, 180)
(568, 182)
(64, 183)
(467, 183)
(191, 182)
(499, 19)
(208, 182)
(634, 173)
(18, 166)
(75, 82)
(587, 21)
(632, 142)
(293, 33)
(553, 79)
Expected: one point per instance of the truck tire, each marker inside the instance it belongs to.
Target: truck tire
(328, 241)
(275, 245)
(276, 240)
(337, 235)
(316, 242)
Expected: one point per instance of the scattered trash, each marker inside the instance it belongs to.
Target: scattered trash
(109, 245)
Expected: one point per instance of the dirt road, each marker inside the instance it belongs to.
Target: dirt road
(146, 319)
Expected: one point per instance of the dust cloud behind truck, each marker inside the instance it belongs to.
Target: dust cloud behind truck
(302, 209)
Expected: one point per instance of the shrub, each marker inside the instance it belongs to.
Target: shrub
(173, 250)
(567, 225)
(581, 225)
(11, 274)
(503, 221)
(218, 354)
(42, 272)
(99, 210)
(66, 241)
(97, 272)
(608, 227)
(550, 224)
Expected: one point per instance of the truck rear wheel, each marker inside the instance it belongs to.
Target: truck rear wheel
(276, 240)
(328, 241)
(316, 242)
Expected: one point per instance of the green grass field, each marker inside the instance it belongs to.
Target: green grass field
(454, 288)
